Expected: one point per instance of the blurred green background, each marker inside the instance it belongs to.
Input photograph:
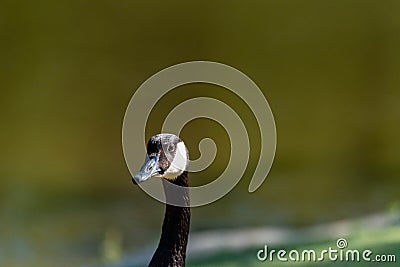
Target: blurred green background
(329, 69)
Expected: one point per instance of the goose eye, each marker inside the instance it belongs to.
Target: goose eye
(171, 148)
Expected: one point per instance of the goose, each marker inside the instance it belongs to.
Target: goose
(167, 158)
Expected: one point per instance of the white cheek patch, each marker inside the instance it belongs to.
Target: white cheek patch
(179, 164)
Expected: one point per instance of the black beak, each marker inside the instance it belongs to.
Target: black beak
(149, 169)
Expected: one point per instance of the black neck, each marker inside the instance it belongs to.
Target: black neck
(171, 250)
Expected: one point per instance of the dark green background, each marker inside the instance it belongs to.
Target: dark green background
(329, 69)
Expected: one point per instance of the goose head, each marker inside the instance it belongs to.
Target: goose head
(166, 157)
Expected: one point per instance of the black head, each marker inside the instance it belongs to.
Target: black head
(166, 157)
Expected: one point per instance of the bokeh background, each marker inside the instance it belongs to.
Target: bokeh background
(329, 69)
